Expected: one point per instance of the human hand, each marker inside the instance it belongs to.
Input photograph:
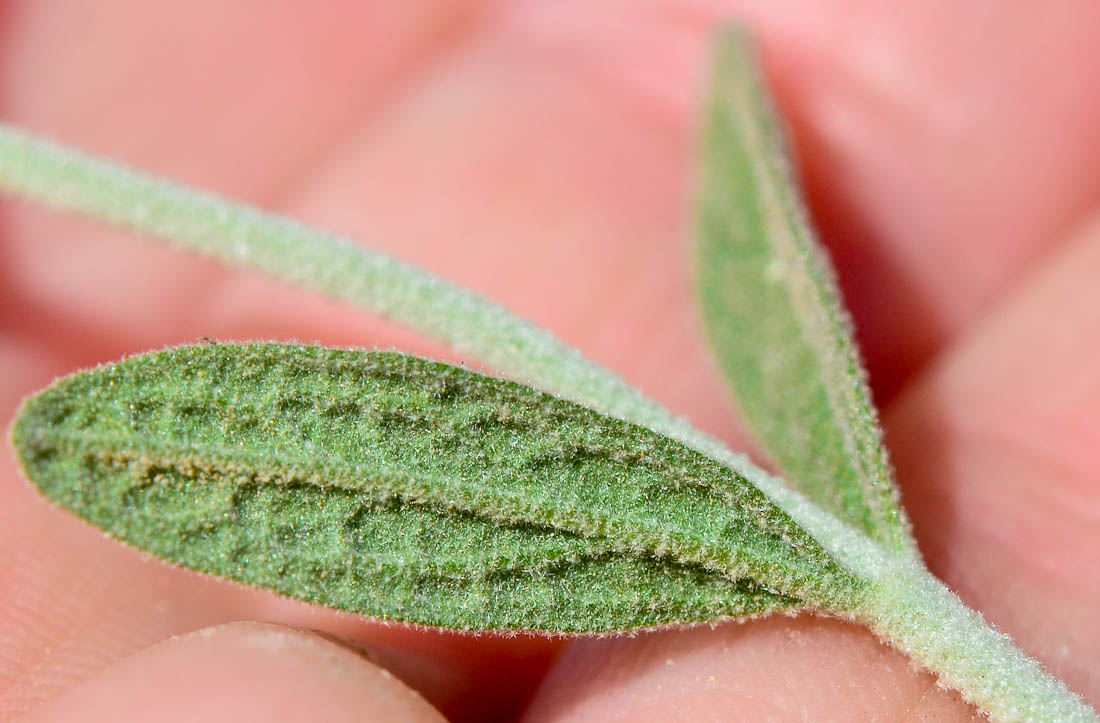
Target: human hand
(541, 154)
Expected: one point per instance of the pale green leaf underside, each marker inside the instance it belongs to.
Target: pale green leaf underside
(410, 490)
(773, 314)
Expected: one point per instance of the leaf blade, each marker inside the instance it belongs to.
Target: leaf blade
(773, 315)
(563, 499)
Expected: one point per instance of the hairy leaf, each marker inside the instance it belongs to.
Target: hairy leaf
(406, 489)
(773, 314)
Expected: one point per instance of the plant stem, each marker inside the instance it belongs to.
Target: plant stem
(338, 267)
(913, 611)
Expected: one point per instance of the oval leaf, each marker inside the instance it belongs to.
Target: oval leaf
(773, 315)
(410, 490)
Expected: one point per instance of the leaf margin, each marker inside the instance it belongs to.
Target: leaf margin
(26, 439)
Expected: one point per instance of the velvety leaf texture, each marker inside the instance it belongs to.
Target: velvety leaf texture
(773, 314)
(405, 489)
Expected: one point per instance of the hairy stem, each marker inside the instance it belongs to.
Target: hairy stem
(912, 610)
(325, 262)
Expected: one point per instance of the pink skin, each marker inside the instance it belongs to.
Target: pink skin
(541, 152)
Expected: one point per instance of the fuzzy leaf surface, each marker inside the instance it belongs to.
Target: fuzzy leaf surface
(410, 490)
(773, 315)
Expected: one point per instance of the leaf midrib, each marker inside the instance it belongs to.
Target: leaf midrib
(679, 548)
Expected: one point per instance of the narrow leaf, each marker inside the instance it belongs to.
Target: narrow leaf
(410, 490)
(773, 315)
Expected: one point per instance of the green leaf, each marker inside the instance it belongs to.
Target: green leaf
(773, 315)
(410, 490)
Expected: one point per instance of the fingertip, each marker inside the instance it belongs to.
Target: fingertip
(241, 672)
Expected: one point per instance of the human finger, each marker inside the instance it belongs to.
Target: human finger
(241, 672)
